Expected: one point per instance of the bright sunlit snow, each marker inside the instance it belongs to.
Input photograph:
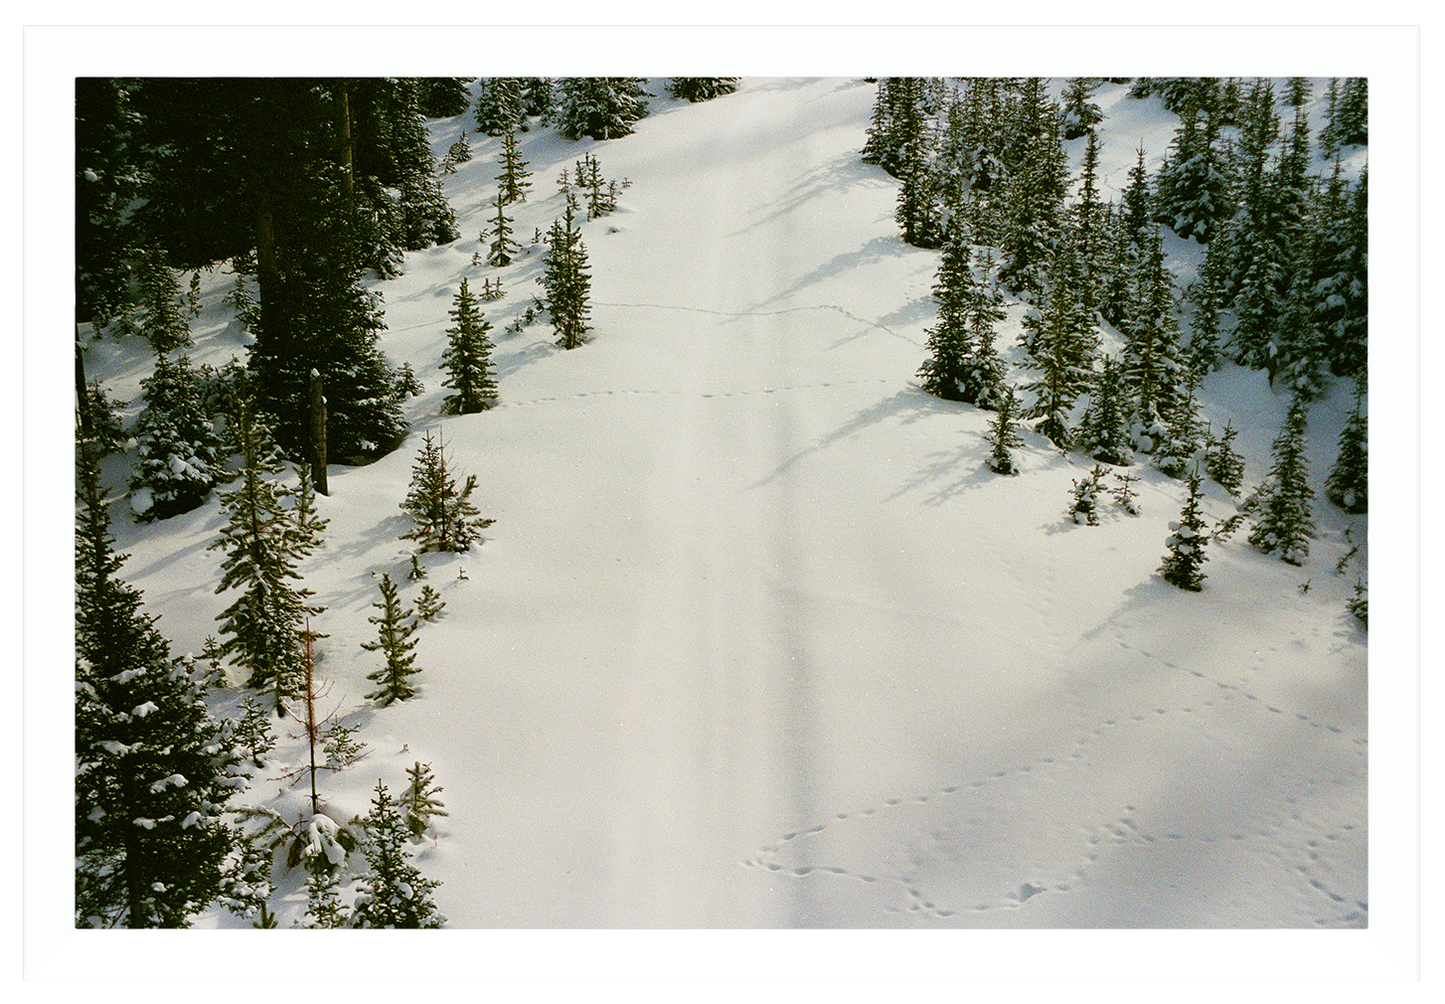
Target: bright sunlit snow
(757, 639)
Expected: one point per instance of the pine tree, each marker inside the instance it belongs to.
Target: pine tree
(323, 898)
(161, 321)
(512, 183)
(1184, 437)
(107, 184)
(499, 254)
(565, 278)
(253, 735)
(701, 88)
(500, 107)
(1085, 508)
(1034, 194)
(393, 893)
(1081, 114)
(309, 524)
(443, 97)
(1359, 604)
(263, 628)
(1352, 116)
(1222, 463)
(1003, 436)
(458, 153)
(1285, 522)
(420, 803)
(599, 107)
(395, 627)
(1152, 370)
(154, 770)
(1103, 432)
(948, 340)
(430, 604)
(1348, 485)
(178, 464)
(1062, 341)
(1186, 544)
(106, 434)
(446, 520)
(468, 358)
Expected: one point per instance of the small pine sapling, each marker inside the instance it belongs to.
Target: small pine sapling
(395, 628)
(1186, 544)
(193, 295)
(419, 803)
(429, 604)
(323, 899)
(1085, 509)
(1124, 493)
(1359, 604)
(107, 433)
(253, 734)
(341, 747)
(417, 571)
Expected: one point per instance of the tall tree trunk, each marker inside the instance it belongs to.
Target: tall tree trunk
(82, 399)
(318, 434)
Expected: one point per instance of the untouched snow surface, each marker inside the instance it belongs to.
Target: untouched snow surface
(756, 639)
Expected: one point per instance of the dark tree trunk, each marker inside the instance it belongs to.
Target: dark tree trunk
(318, 434)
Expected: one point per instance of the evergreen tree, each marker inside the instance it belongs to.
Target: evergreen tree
(1329, 139)
(263, 628)
(1285, 522)
(106, 434)
(1208, 296)
(1081, 114)
(162, 321)
(512, 183)
(395, 627)
(1193, 186)
(107, 186)
(392, 893)
(253, 735)
(467, 359)
(1002, 435)
(537, 97)
(1338, 275)
(701, 88)
(566, 279)
(1299, 357)
(430, 604)
(499, 255)
(948, 340)
(1359, 604)
(1186, 544)
(1352, 115)
(1152, 370)
(1103, 432)
(599, 107)
(458, 153)
(420, 803)
(308, 523)
(1085, 509)
(154, 770)
(1222, 463)
(1034, 194)
(176, 447)
(1088, 219)
(1062, 341)
(323, 898)
(443, 97)
(1175, 454)
(500, 106)
(1348, 485)
(446, 519)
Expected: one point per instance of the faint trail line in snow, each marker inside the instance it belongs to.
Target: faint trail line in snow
(767, 313)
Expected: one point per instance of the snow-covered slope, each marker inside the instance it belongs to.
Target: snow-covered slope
(756, 639)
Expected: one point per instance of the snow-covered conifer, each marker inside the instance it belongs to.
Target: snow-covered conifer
(1222, 463)
(1285, 522)
(395, 628)
(1003, 436)
(1348, 485)
(419, 803)
(446, 519)
(468, 358)
(176, 445)
(392, 893)
(1186, 543)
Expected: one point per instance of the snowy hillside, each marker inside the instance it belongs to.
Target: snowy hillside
(756, 638)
